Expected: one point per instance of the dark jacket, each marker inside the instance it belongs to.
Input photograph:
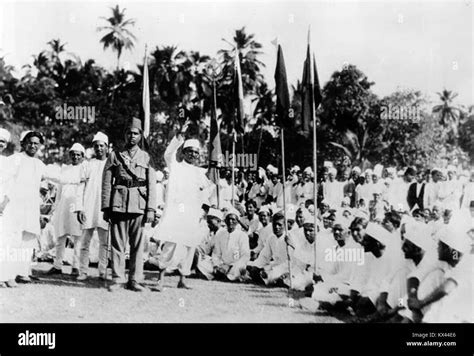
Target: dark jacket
(412, 199)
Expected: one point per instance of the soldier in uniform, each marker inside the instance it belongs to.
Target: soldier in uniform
(128, 202)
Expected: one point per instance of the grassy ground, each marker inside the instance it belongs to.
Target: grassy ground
(62, 299)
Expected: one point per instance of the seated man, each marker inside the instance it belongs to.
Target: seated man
(265, 217)
(365, 284)
(204, 251)
(231, 250)
(416, 245)
(424, 283)
(251, 223)
(302, 264)
(272, 263)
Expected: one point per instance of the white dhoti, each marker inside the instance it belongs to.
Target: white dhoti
(173, 256)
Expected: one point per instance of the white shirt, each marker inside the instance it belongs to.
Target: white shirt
(230, 248)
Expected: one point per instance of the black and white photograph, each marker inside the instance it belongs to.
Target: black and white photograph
(237, 162)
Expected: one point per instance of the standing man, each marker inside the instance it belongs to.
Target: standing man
(23, 215)
(179, 229)
(416, 193)
(128, 202)
(64, 218)
(88, 205)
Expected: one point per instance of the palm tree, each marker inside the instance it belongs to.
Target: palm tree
(251, 66)
(119, 36)
(448, 113)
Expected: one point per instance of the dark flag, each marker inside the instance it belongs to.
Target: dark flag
(215, 151)
(311, 90)
(238, 122)
(282, 94)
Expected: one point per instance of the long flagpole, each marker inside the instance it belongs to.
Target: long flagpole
(315, 162)
(284, 201)
(217, 168)
(234, 138)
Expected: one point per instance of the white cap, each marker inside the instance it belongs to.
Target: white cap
(356, 169)
(307, 217)
(308, 170)
(231, 211)
(192, 143)
(346, 200)
(23, 134)
(159, 176)
(378, 170)
(391, 170)
(401, 173)
(419, 234)
(216, 213)
(5, 134)
(290, 212)
(456, 237)
(99, 136)
(78, 147)
(328, 164)
(368, 171)
(265, 208)
(378, 232)
(295, 169)
(272, 170)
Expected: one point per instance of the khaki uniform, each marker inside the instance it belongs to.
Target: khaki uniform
(128, 192)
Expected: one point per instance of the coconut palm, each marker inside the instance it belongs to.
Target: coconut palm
(251, 66)
(448, 113)
(119, 36)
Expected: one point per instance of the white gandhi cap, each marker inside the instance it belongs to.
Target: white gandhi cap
(191, 143)
(99, 136)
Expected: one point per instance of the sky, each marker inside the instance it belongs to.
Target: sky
(422, 45)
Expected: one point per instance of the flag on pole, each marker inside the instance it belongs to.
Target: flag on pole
(282, 94)
(215, 150)
(238, 123)
(311, 89)
(145, 109)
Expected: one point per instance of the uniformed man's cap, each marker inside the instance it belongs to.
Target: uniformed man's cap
(135, 123)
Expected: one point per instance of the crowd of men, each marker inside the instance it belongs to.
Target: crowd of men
(382, 244)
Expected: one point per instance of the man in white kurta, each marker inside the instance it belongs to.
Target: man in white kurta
(231, 250)
(179, 226)
(23, 217)
(65, 221)
(272, 262)
(7, 267)
(88, 205)
(333, 191)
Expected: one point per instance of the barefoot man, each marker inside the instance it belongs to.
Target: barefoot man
(179, 227)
